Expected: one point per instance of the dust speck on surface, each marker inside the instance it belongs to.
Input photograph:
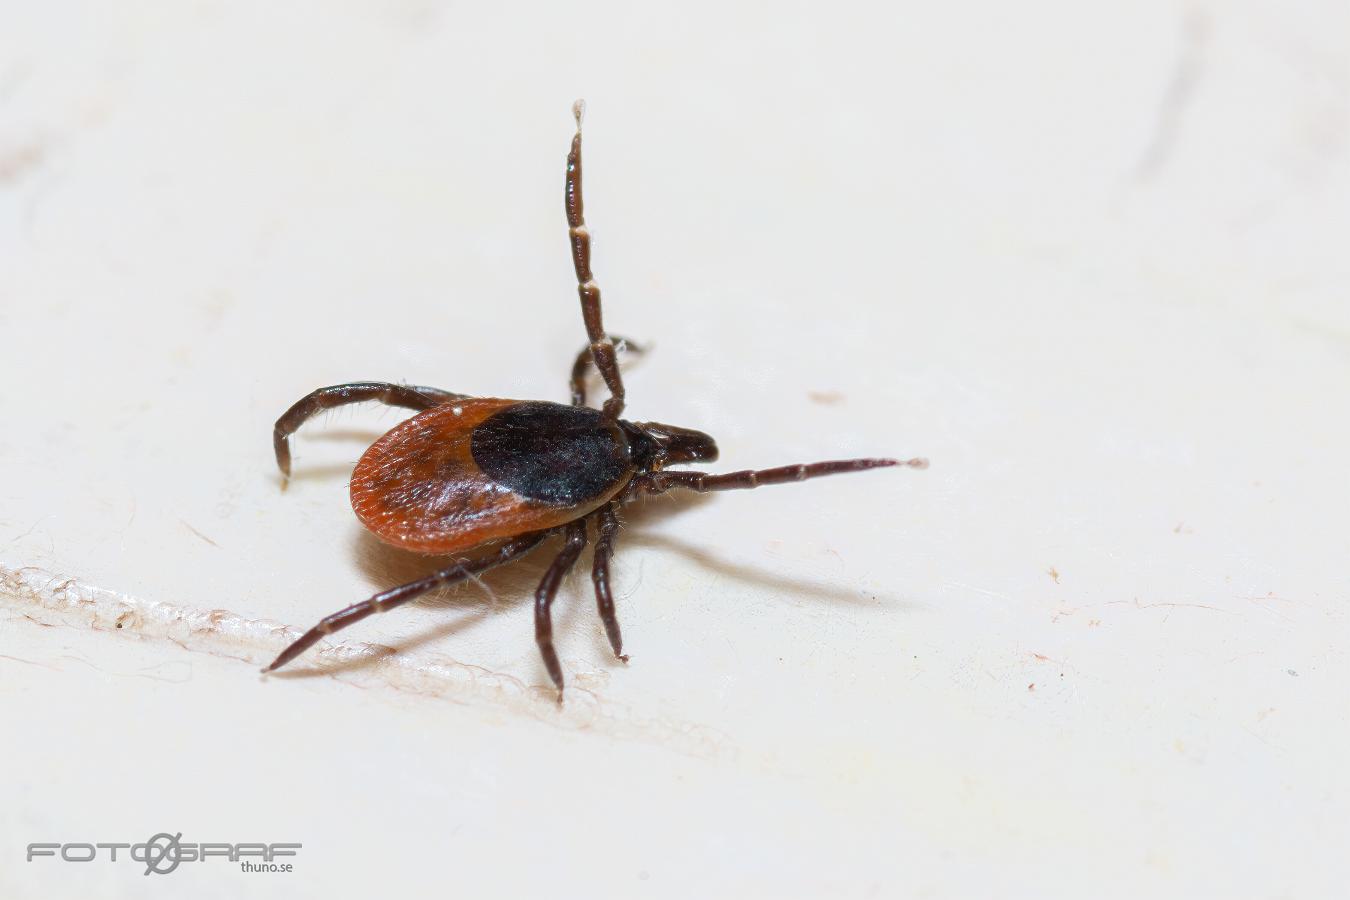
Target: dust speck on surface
(198, 533)
(825, 398)
(16, 162)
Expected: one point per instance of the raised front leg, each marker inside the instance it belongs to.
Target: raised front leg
(387, 600)
(404, 395)
(602, 347)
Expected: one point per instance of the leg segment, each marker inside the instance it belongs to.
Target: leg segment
(585, 360)
(607, 528)
(312, 404)
(702, 482)
(387, 600)
(602, 347)
(543, 599)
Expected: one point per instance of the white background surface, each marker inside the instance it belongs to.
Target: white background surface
(1090, 259)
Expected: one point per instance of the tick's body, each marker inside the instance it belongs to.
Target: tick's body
(473, 471)
(467, 472)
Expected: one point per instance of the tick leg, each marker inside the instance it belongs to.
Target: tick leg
(602, 346)
(312, 404)
(702, 482)
(387, 600)
(585, 360)
(543, 599)
(607, 527)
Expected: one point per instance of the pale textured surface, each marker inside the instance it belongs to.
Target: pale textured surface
(1090, 259)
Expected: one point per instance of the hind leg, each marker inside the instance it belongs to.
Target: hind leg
(404, 395)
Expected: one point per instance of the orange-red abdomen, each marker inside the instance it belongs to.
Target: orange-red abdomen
(478, 470)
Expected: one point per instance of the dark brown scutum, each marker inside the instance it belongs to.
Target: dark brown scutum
(551, 453)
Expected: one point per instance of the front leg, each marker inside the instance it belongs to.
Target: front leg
(404, 395)
(703, 482)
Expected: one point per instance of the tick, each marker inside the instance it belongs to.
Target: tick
(499, 476)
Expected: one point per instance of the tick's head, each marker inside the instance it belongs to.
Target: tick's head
(656, 446)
